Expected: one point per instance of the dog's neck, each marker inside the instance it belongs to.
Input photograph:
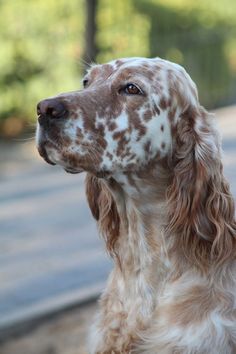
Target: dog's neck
(141, 204)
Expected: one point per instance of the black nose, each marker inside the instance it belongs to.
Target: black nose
(51, 108)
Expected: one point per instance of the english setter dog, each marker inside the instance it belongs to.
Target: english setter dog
(156, 188)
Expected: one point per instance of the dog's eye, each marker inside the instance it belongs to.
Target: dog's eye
(132, 89)
(85, 82)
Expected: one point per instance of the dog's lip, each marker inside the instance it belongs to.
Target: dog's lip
(73, 171)
(49, 161)
(44, 155)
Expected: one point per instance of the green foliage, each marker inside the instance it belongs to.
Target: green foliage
(42, 45)
(193, 39)
(196, 34)
(122, 31)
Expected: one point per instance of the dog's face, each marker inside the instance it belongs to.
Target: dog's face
(121, 121)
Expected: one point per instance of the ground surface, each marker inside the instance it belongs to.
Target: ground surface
(64, 335)
(50, 254)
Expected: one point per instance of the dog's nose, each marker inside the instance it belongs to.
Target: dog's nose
(51, 108)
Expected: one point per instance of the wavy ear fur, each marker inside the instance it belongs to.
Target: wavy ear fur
(104, 210)
(201, 208)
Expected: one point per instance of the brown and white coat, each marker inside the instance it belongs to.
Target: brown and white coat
(156, 188)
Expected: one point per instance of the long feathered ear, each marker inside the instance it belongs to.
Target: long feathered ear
(200, 206)
(104, 210)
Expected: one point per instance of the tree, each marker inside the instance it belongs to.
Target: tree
(91, 49)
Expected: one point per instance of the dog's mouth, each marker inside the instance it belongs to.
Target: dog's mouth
(73, 171)
(42, 149)
(43, 153)
(51, 149)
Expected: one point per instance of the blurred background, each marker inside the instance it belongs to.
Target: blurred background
(52, 263)
(43, 46)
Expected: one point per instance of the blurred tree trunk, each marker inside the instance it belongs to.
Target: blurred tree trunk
(91, 49)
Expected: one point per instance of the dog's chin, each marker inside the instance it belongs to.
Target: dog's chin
(98, 174)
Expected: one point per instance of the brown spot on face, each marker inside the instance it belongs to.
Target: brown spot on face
(79, 133)
(147, 72)
(122, 142)
(126, 152)
(109, 155)
(162, 128)
(112, 126)
(142, 131)
(163, 145)
(101, 142)
(141, 69)
(147, 115)
(118, 135)
(136, 123)
(147, 146)
(101, 129)
(101, 70)
(163, 103)
(88, 115)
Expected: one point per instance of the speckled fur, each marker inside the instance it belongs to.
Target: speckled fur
(156, 188)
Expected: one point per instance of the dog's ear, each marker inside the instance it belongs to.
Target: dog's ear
(200, 206)
(93, 191)
(104, 210)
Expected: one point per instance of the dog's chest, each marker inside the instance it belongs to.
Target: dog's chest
(126, 310)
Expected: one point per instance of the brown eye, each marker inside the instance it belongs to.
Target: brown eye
(132, 89)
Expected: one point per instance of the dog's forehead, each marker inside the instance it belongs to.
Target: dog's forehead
(128, 66)
(100, 70)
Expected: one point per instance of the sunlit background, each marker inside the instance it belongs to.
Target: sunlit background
(42, 47)
(50, 255)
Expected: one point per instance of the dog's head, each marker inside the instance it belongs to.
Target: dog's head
(120, 121)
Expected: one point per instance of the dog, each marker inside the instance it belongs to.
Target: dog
(155, 185)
